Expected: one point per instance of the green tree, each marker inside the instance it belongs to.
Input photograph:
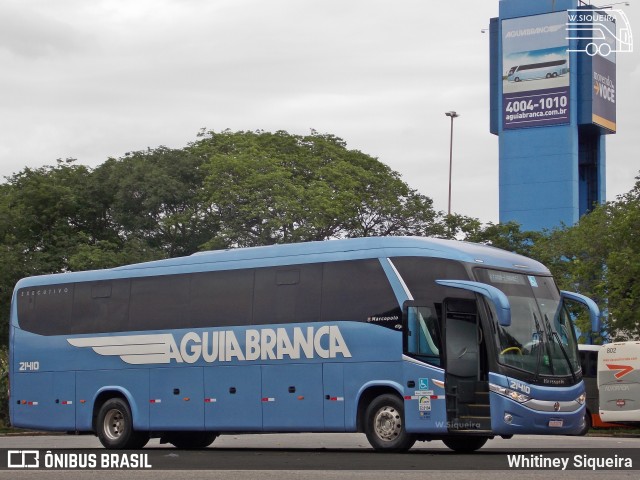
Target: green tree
(40, 217)
(226, 189)
(600, 257)
(507, 236)
(154, 198)
(271, 188)
(623, 264)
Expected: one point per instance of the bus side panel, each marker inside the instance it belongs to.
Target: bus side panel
(292, 397)
(46, 400)
(64, 393)
(333, 383)
(426, 412)
(176, 397)
(360, 376)
(233, 398)
(32, 395)
(133, 383)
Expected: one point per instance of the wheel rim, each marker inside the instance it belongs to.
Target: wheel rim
(388, 423)
(114, 424)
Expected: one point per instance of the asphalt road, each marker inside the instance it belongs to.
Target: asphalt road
(333, 456)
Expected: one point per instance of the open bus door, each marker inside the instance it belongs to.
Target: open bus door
(466, 377)
(466, 369)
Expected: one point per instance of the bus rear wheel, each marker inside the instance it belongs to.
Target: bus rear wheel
(114, 426)
(465, 444)
(385, 427)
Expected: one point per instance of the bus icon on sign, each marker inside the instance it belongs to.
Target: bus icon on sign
(23, 459)
(535, 71)
(604, 31)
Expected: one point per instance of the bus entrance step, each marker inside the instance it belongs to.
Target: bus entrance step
(478, 410)
(471, 423)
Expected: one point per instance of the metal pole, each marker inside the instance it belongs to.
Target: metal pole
(453, 115)
(450, 162)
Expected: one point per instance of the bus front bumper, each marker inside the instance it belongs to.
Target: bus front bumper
(509, 417)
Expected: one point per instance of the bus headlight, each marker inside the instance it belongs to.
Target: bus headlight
(581, 399)
(507, 392)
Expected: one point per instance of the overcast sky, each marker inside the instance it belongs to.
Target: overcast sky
(95, 79)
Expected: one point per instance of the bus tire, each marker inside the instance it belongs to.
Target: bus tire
(385, 428)
(587, 424)
(191, 440)
(465, 444)
(517, 79)
(114, 426)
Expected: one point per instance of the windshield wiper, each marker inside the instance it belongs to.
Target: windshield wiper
(558, 340)
(539, 333)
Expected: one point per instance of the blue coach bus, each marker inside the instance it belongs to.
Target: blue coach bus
(404, 339)
(534, 71)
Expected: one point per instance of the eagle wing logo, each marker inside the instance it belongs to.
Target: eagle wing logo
(132, 349)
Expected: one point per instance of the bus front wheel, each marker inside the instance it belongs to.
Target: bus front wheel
(385, 427)
(114, 426)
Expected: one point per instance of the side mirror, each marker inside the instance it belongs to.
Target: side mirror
(494, 295)
(594, 311)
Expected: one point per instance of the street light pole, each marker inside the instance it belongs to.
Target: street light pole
(453, 115)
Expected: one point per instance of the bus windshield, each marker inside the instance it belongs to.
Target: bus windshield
(540, 339)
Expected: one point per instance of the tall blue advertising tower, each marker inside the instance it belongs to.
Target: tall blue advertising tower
(552, 104)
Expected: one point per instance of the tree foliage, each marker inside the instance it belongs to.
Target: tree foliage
(600, 257)
(268, 188)
(231, 189)
(225, 190)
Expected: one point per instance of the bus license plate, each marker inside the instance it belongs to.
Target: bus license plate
(555, 423)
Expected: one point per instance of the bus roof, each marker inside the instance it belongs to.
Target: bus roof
(307, 252)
